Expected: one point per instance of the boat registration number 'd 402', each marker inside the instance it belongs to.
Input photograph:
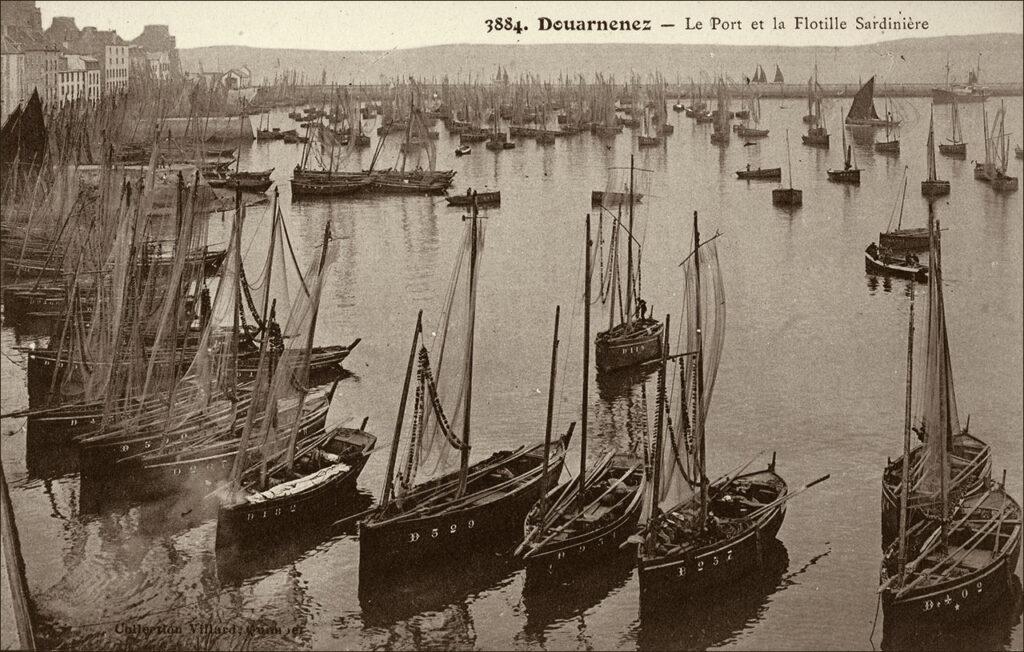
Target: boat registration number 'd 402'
(707, 562)
(441, 531)
(952, 599)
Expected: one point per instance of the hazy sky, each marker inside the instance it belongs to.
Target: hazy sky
(389, 25)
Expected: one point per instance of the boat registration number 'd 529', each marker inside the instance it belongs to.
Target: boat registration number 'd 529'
(707, 562)
(951, 600)
(437, 532)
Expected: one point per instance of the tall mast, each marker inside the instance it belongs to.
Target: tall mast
(931, 146)
(629, 254)
(699, 407)
(464, 461)
(586, 370)
(789, 162)
(304, 367)
(385, 494)
(905, 477)
(551, 411)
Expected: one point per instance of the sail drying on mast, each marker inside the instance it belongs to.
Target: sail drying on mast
(442, 375)
(689, 411)
(937, 403)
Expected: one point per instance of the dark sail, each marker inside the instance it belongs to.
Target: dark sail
(863, 107)
(778, 75)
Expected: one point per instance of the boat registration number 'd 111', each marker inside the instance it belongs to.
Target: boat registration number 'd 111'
(951, 600)
(437, 532)
(708, 561)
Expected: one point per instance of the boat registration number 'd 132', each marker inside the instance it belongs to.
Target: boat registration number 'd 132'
(708, 562)
(437, 532)
(952, 600)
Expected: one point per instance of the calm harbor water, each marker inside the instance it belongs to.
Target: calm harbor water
(813, 369)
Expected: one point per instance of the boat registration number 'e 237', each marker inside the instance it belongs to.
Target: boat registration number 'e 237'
(436, 532)
(952, 600)
(708, 561)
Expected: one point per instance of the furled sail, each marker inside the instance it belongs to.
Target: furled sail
(937, 403)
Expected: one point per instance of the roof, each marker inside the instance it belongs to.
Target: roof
(8, 46)
(29, 40)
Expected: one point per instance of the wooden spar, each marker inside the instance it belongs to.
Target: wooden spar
(589, 506)
(464, 457)
(385, 494)
(659, 431)
(792, 494)
(629, 250)
(14, 564)
(307, 352)
(613, 263)
(905, 479)
(698, 409)
(551, 411)
(261, 369)
(584, 400)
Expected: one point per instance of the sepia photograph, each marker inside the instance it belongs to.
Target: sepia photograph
(511, 325)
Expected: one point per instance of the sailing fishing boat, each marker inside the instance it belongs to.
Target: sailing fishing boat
(696, 535)
(289, 482)
(637, 338)
(590, 517)
(817, 135)
(788, 196)
(891, 144)
(933, 186)
(997, 154)
(862, 112)
(645, 138)
(962, 93)
(957, 546)
(475, 508)
(956, 147)
(811, 118)
(901, 239)
(745, 130)
(720, 134)
(850, 172)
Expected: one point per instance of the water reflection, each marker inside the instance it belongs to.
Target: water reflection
(386, 602)
(549, 602)
(715, 618)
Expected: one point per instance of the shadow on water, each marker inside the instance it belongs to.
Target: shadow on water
(715, 618)
(991, 631)
(386, 600)
(549, 602)
(622, 410)
(236, 564)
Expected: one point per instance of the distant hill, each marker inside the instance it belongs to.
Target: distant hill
(904, 60)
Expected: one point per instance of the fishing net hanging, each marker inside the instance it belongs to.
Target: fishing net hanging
(689, 408)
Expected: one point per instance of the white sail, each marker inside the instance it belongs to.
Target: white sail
(689, 411)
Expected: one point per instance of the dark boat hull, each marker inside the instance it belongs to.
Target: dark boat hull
(588, 548)
(249, 523)
(787, 197)
(390, 546)
(703, 569)
(904, 239)
(956, 150)
(773, 174)
(844, 176)
(614, 351)
(934, 188)
(482, 199)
